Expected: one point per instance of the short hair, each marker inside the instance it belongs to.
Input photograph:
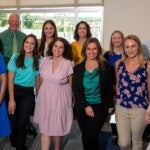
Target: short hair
(12, 15)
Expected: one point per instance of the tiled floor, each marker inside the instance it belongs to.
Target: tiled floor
(71, 141)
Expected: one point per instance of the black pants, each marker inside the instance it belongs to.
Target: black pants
(90, 127)
(24, 98)
(114, 129)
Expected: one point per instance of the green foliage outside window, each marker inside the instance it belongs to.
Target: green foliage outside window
(3, 19)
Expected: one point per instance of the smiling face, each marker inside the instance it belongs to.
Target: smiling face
(49, 30)
(116, 40)
(131, 48)
(82, 31)
(91, 52)
(29, 46)
(58, 49)
(14, 22)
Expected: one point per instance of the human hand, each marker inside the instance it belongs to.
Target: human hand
(111, 110)
(11, 107)
(147, 116)
(1, 99)
(89, 111)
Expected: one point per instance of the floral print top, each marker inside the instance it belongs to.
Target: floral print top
(132, 87)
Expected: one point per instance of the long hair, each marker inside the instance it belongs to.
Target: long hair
(140, 52)
(111, 46)
(67, 48)
(21, 57)
(43, 36)
(101, 60)
(76, 36)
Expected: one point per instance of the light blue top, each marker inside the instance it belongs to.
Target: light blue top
(23, 76)
(91, 85)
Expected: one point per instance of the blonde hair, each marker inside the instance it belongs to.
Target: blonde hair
(14, 15)
(111, 46)
(140, 51)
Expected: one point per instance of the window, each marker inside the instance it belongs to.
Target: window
(65, 19)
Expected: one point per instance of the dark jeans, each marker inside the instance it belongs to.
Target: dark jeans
(90, 127)
(24, 98)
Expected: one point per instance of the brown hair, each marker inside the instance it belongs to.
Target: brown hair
(20, 58)
(76, 36)
(100, 58)
(67, 48)
(43, 37)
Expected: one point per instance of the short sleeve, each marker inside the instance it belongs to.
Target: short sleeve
(70, 68)
(43, 63)
(12, 63)
(2, 65)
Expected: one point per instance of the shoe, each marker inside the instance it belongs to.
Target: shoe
(115, 139)
(31, 129)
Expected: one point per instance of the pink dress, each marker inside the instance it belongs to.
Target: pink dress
(53, 110)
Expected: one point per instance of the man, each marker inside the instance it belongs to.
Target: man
(7, 37)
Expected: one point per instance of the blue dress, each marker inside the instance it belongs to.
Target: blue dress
(5, 129)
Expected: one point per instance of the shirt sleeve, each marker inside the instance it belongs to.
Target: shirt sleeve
(2, 65)
(12, 64)
(70, 68)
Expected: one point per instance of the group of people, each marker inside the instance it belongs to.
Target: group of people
(50, 73)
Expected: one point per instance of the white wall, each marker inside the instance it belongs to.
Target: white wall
(129, 16)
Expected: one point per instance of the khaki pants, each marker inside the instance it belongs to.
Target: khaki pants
(130, 127)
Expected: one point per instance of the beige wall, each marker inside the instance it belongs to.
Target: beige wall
(129, 16)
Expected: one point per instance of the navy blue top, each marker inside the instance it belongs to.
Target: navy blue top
(132, 87)
(113, 58)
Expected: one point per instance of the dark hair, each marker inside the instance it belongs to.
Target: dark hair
(20, 58)
(67, 48)
(43, 37)
(100, 58)
(76, 36)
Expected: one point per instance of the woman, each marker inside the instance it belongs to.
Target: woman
(114, 54)
(22, 76)
(4, 121)
(81, 33)
(116, 47)
(132, 74)
(49, 33)
(53, 110)
(92, 88)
